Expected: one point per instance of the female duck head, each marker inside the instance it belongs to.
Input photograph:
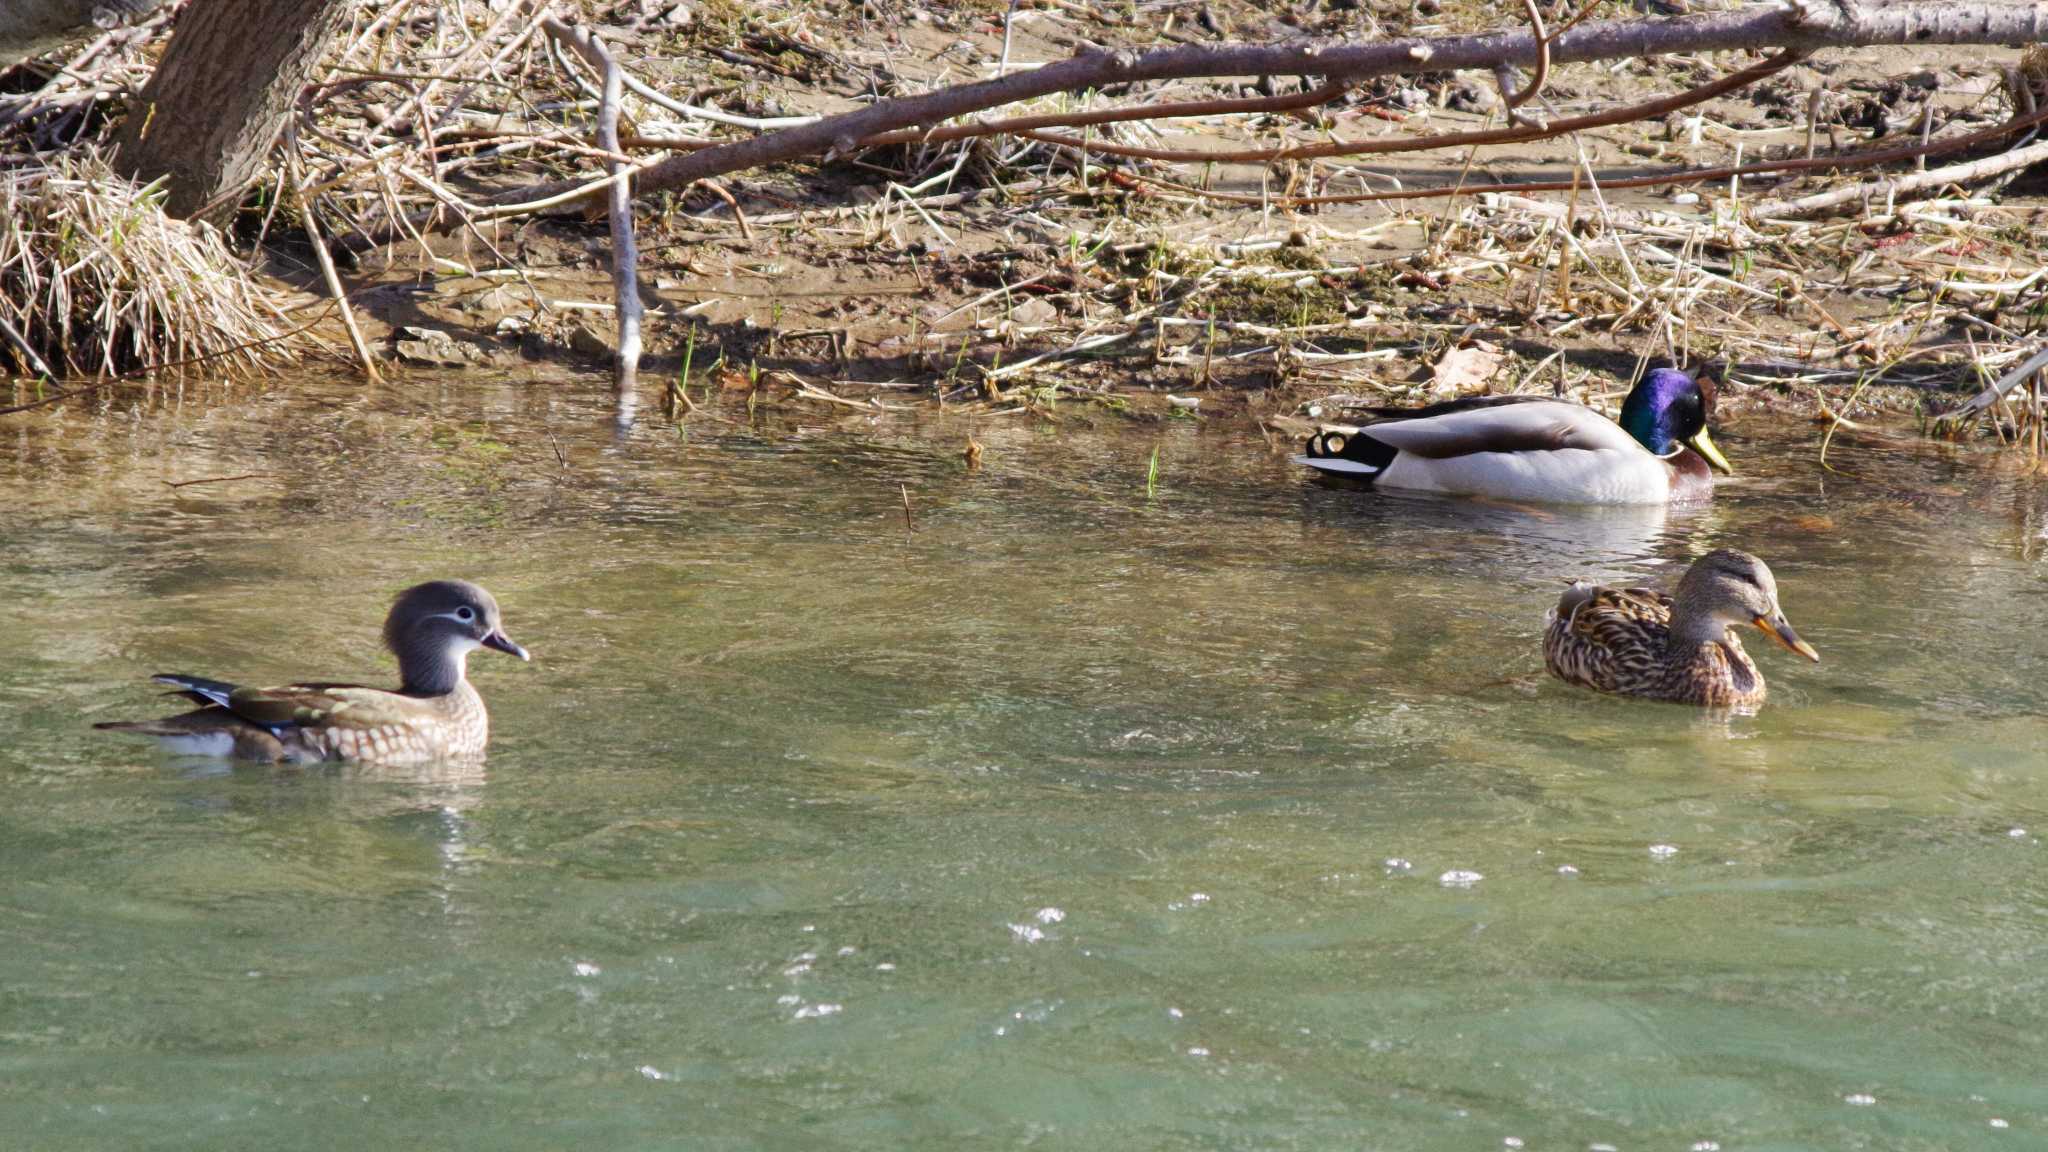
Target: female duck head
(1729, 589)
(1667, 408)
(433, 627)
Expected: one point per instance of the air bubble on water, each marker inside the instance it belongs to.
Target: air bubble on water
(1995, 1122)
(814, 1011)
(1459, 878)
(584, 968)
(796, 969)
(1860, 1099)
(1028, 933)
(2016, 833)
(1601, 1148)
(1663, 851)
(848, 950)
(1397, 864)
(808, 928)
(806, 957)
(1176, 1013)
(1706, 1146)
(1511, 1141)
(1048, 915)
(789, 1000)
(652, 1073)
(1198, 898)
(1198, 1052)
(885, 966)
(1567, 870)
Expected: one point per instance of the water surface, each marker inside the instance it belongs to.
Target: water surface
(1069, 817)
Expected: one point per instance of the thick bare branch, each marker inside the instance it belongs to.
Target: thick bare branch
(625, 251)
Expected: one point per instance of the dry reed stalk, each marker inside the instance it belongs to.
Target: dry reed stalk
(97, 281)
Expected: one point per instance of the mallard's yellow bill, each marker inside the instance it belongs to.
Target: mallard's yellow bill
(1781, 631)
(1704, 445)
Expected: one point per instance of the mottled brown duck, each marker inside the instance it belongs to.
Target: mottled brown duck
(1680, 646)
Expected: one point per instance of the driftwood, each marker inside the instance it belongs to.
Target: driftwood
(1800, 26)
(1983, 401)
(625, 252)
(1968, 172)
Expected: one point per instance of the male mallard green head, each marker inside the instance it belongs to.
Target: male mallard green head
(1728, 589)
(433, 627)
(1667, 408)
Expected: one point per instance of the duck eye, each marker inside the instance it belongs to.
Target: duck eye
(465, 614)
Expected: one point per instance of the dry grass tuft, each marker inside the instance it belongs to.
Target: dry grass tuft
(95, 280)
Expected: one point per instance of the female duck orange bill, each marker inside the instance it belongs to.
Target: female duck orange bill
(1534, 449)
(1680, 647)
(435, 714)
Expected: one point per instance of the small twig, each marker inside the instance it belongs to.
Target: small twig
(14, 337)
(908, 524)
(218, 479)
(308, 221)
(1521, 96)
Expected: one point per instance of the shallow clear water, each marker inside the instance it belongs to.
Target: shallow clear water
(1061, 820)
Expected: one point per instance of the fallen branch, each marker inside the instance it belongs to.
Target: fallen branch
(1982, 401)
(1869, 159)
(1968, 172)
(625, 252)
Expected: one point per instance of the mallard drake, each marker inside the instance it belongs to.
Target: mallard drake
(1527, 448)
(434, 714)
(1682, 647)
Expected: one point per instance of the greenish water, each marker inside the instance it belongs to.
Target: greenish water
(1063, 820)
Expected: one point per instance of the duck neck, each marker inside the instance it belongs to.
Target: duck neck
(433, 670)
(1692, 478)
(1691, 628)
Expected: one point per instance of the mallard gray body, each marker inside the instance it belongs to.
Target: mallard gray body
(1532, 449)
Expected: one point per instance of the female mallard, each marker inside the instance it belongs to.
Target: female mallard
(1527, 448)
(1681, 647)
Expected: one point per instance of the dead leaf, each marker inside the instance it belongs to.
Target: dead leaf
(1465, 370)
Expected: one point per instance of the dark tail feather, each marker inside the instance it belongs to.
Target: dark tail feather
(197, 688)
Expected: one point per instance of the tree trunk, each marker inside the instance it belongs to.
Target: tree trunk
(227, 81)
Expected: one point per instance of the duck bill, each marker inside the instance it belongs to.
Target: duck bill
(1781, 631)
(498, 641)
(1704, 445)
